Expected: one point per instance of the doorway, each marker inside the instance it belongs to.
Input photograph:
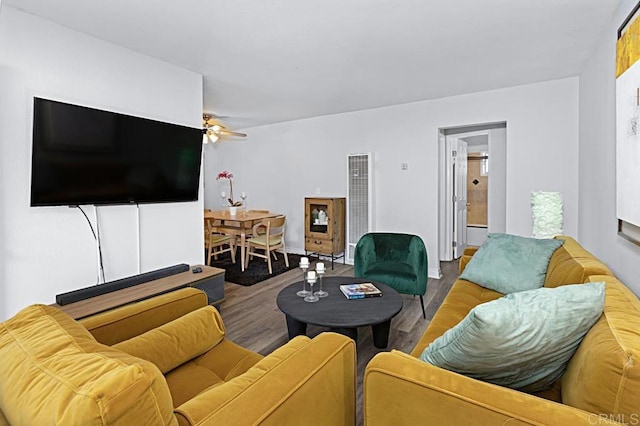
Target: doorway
(477, 188)
(472, 186)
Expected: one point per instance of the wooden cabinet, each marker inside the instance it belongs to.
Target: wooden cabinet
(324, 226)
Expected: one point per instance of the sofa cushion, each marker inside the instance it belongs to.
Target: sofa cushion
(115, 325)
(177, 341)
(604, 374)
(54, 372)
(509, 263)
(523, 340)
(571, 264)
(222, 363)
(462, 298)
(275, 389)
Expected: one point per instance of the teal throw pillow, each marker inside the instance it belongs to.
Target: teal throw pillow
(509, 263)
(523, 340)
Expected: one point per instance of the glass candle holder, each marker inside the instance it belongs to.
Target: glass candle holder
(311, 279)
(304, 265)
(320, 271)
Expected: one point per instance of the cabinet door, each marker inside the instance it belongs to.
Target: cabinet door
(338, 224)
(319, 218)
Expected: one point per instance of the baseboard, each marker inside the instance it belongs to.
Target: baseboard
(435, 272)
(295, 250)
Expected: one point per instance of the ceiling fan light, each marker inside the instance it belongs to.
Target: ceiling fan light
(213, 131)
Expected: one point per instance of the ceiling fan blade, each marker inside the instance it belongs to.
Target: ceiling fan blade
(221, 117)
(230, 133)
(215, 129)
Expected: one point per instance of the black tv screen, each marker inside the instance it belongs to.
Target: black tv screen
(88, 156)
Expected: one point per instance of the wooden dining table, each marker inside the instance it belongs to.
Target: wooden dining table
(241, 224)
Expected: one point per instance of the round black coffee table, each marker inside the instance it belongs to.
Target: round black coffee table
(340, 314)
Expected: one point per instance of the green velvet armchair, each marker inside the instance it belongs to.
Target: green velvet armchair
(397, 260)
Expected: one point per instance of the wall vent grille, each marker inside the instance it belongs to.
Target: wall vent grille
(359, 200)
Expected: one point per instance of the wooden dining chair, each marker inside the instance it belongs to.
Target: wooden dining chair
(268, 235)
(214, 241)
(261, 230)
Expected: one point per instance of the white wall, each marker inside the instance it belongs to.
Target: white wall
(278, 165)
(598, 222)
(49, 250)
(497, 180)
(3, 89)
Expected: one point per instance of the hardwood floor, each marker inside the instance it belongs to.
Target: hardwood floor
(253, 320)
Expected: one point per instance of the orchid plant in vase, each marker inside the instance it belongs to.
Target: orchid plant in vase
(227, 175)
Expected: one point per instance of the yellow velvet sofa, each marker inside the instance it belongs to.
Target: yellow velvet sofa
(601, 384)
(166, 361)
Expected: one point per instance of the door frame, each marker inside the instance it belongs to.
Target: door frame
(445, 187)
(458, 146)
(447, 192)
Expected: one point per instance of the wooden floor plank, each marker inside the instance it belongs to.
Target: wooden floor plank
(253, 320)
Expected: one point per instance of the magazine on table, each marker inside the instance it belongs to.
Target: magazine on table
(360, 290)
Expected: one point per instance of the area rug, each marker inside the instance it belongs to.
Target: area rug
(257, 270)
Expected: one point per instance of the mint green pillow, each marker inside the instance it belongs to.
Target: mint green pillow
(523, 340)
(509, 263)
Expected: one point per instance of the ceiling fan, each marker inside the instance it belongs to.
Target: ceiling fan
(212, 130)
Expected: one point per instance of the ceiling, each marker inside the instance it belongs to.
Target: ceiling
(277, 60)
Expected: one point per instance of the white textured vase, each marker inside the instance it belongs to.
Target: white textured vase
(546, 208)
(233, 210)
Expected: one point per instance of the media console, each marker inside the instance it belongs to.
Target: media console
(95, 299)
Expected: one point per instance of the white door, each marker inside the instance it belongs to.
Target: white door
(459, 173)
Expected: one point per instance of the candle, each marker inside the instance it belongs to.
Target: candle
(243, 195)
(311, 275)
(223, 194)
(320, 267)
(304, 262)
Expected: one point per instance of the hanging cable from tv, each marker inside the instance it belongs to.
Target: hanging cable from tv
(96, 237)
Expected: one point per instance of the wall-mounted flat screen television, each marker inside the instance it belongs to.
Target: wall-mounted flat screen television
(84, 155)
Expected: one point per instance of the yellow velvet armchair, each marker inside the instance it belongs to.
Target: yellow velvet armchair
(166, 361)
